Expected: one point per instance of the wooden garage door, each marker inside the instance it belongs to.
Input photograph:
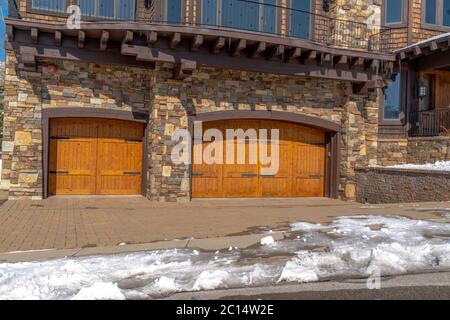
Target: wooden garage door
(95, 156)
(301, 164)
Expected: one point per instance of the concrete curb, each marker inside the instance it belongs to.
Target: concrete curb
(208, 244)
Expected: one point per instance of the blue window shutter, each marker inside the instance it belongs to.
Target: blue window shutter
(240, 15)
(300, 19)
(209, 12)
(174, 11)
(51, 5)
(269, 16)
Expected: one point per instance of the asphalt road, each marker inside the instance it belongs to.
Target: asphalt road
(428, 286)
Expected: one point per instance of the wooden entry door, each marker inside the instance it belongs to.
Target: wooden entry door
(301, 164)
(91, 156)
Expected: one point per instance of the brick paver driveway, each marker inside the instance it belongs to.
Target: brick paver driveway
(88, 222)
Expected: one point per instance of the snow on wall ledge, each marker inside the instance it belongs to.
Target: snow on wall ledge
(405, 183)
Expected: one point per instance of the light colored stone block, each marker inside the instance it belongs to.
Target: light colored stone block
(167, 171)
(22, 138)
(7, 146)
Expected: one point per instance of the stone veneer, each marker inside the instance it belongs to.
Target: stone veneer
(169, 103)
(417, 150)
(389, 185)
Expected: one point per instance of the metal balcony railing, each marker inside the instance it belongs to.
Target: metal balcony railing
(258, 16)
(430, 123)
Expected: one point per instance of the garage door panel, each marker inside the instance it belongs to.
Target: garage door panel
(300, 168)
(81, 163)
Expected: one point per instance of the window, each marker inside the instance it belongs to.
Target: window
(241, 15)
(174, 11)
(392, 99)
(300, 18)
(430, 11)
(393, 11)
(51, 5)
(111, 9)
(436, 12)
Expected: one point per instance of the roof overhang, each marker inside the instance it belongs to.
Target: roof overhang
(190, 47)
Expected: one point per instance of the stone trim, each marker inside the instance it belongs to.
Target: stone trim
(82, 112)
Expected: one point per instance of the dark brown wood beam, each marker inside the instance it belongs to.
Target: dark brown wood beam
(197, 41)
(218, 44)
(143, 53)
(152, 37)
(184, 69)
(58, 38)
(256, 49)
(28, 57)
(238, 46)
(417, 51)
(10, 32)
(340, 61)
(308, 56)
(274, 52)
(433, 46)
(104, 40)
(81, 39)
(292, 54)
(34, 35)
(128, 37)
(175, 39)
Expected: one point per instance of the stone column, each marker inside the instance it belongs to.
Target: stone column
(22, 131)
(168, 182)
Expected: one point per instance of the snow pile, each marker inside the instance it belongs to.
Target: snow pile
(438, 165)
(267, 241)
(348, 247)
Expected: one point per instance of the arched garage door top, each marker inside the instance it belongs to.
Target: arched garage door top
(316, 122)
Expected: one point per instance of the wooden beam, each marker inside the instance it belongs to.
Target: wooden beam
(238, 46)
(276, 51)
(340, 61)
(355, 61)
(197, 41)
(325, 59)
(402, 55)
(257, 49)
(10, 32)
(34, 35)
(184, 69)
(308, 56)
(28, 56)
(417, 51)
(292, 54)
(152, 37)
(58, 38)
(128, 37)
(143, 53)
(433, 46)
(175, 40)
(104, 40)
(81, 39)
(218, 44)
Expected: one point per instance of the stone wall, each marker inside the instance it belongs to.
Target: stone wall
(385, 185)
(73, 85)
(210, 89)
(418, 150)
(169, 103)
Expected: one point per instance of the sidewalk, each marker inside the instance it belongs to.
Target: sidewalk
(83, 226)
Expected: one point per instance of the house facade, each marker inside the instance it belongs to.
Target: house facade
(94, 108)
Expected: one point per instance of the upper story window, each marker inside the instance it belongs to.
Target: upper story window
(110, 9)
(300, 19)
(51, 5)
(393, 11)
(243, 15)
(437, 12)
(392, 100)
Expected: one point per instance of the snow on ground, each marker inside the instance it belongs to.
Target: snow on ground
(438, 165)
(348, 247)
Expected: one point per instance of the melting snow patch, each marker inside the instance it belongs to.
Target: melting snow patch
(438, 165)
(100, 291)
(267, 241)
(347, 247)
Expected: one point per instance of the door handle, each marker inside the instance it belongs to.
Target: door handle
(59, 172)
(267, 175)
(60, 138)
(130, 173)
(315, 176)
(249, 175)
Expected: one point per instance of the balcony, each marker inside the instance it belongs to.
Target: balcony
(251, 16)
(430, 123)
